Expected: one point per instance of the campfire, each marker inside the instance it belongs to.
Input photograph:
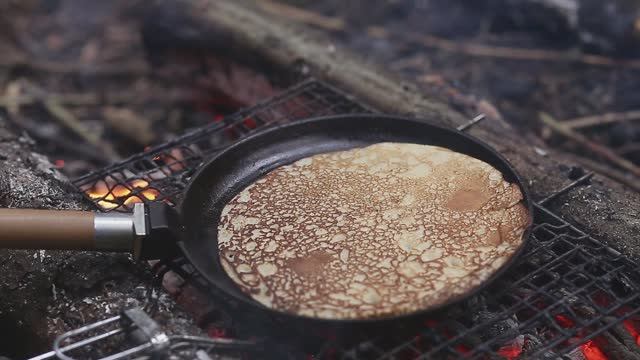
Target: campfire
(545, 306)
(569, 295)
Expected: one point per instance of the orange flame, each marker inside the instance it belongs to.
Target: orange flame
(139, 183)
(107, 204)
(120, 194)
(120, 191)
(99, 190)
(132, 200)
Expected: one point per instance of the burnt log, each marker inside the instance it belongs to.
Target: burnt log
(606, 209)
(46, 293)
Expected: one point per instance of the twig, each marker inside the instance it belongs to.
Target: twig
(628, 149)
(131, 68)
(302, 15)
(66, 99)
(471, 122)
(88, 99)
(512, 53)
(608, 118)
(13, 92)
(609, 172)
(69, 120)
(598, 149)
(468, 48)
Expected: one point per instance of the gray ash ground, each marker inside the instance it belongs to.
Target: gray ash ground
(46, 293)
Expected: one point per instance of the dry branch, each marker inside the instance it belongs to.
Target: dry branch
(598, 149)
(468, 48)
(608, 118)
(302, 15)
(607, 171)
(10, 100)
(512, 53)
(116, 69)
(90, 99)
(628, 149)
(69, 120)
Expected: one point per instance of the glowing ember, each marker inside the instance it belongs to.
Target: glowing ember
(250, 123)
(591, 351)
(217, 333)
(513, 350)
(132, 200)
(139, 183)
(510, 352)
(633, 330)
(107, 204)
(174, 160)
(564, 321)
(461, 348)
(151, 194)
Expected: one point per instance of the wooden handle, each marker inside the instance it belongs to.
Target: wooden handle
(47, 229)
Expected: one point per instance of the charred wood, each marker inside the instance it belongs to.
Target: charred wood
(45, 293)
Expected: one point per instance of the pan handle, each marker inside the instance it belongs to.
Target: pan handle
(70, 230)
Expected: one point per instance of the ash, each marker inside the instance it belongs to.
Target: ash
(46, 293)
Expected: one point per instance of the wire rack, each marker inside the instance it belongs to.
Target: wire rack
(162, 172)
(135, 335)
(566, 290)
(568, 295)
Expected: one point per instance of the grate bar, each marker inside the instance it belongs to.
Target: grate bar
(560, 273)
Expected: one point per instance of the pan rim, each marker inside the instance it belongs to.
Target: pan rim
(527, 201)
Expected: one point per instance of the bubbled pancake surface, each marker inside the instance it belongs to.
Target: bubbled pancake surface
(371, 232)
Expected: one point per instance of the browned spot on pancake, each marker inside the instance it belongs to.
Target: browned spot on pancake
(506, 232)
(467, 199)
(494, 237)
(310, 265)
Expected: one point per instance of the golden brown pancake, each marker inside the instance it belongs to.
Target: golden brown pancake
(378, 231)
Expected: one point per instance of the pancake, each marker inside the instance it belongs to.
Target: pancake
(371, 232)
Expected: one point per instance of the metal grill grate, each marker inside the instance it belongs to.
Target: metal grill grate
(567, 289)
(161, 173)
(567, 293)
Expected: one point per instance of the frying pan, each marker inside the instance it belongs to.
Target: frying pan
(156, 231)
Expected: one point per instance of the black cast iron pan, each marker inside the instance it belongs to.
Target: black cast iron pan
(230, 172)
